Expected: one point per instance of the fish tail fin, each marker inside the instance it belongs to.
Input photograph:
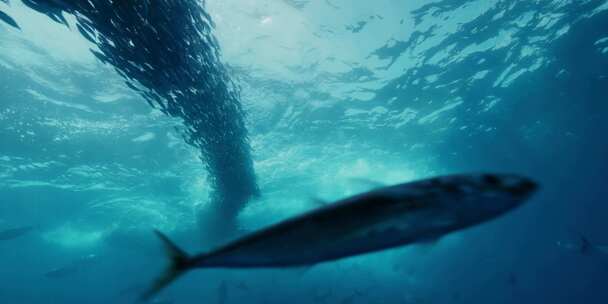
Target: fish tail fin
(179, 264)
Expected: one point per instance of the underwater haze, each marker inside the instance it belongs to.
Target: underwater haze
(300, 101)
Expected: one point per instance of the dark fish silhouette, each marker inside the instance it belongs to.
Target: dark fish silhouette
(144, 4)
(8, 20)
(380, 219)
(583, 246)
(14, 233)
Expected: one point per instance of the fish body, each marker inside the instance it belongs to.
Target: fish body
(383, 218)
(375, 220)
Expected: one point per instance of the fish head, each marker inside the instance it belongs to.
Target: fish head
(479, 197)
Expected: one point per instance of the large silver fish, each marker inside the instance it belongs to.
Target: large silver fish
(379, 219)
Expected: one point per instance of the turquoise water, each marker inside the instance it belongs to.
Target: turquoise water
(336, 96)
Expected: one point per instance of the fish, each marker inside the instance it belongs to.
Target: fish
(164, 47)
(145, 6)
(9, 20)
(583, 246)
(14, 233)
(383, 218)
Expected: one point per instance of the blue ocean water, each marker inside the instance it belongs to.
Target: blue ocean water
(306, 100)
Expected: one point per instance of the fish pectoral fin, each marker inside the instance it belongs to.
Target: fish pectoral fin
(179, 264)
